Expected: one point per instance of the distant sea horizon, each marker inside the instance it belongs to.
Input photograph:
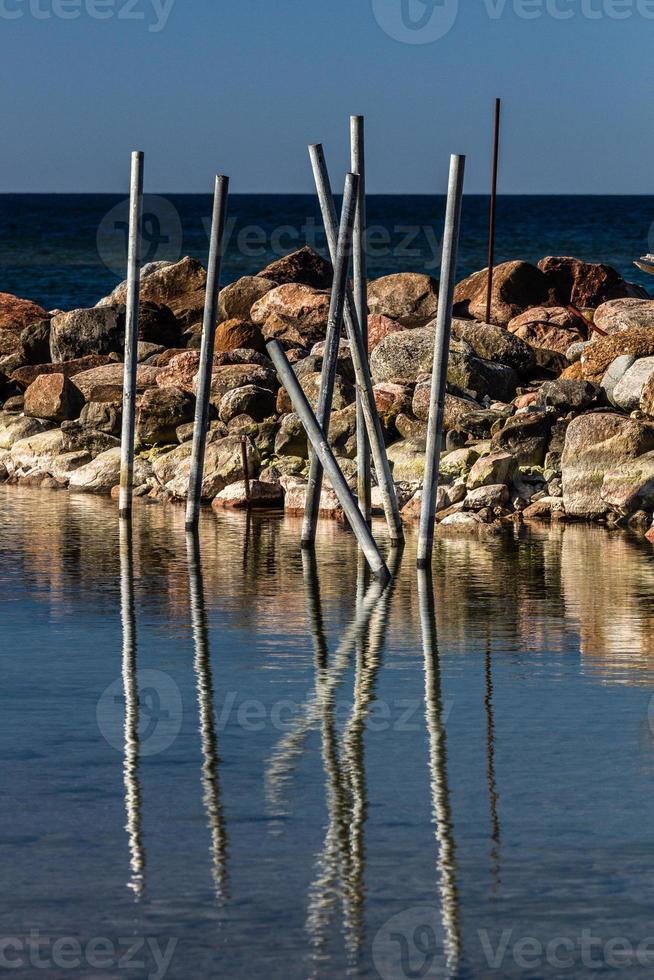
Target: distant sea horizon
(67, 251)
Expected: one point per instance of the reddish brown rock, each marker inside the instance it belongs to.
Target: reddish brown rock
(258, 495)
(304, 266)
(517, 286)
(553, 328)
(16, 313)
(598, 355)
(26, 375)
(583, 284)
(392, 399)
(10, 343)
(293, 313)
(103, 384)
(409, 298)
(379, 327)
(180, 371)
(237, 299)
(236, 334)
(53, 397)
(624, 314)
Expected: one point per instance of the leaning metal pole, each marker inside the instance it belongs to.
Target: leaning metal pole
(359, 356)
(330, 356)
(321, 447)
(441, 358)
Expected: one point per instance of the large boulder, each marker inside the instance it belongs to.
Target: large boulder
(497, 468)
(180, 371)
(38, 450)
(256, 402)
(517, 286)
(158, 325)
(103, 417)
(223, 465)
(380, 327)
(238, 334)
(628, 391)
(303, 266)
(180, 286)
(552, 328)
(53, 397)
(35, 341)
(105, 383)
(24, 376)
(624, 314)
(10, 343)
(477, 376)
(231, 376)
(402, 357)
(237, 299)
(495, 344)
(596, 444)
(102, 474)
(584, 284)
(14, 428)
(630, 486)
(82, 332)
(16, 313)
(258, 494)
(526, 436)
(161, 411)
(566, 395)
(409, 298)
(293, 313)
(597, 357)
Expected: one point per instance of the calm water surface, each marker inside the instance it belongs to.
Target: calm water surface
(262, 768)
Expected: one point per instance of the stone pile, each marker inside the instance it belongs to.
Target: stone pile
(549, 412)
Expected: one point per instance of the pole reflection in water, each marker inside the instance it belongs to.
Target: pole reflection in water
(131, 729)
(440, 791)
(204, 683)
(282, 762)
(493, 795)
(368, 661)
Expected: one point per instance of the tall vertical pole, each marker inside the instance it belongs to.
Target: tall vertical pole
(441, 358)
(359, 355)
(330, 357)
(201, 424)
(131, 336)
(360, 275)
(493, 205)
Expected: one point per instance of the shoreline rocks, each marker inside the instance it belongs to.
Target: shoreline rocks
(545, 417)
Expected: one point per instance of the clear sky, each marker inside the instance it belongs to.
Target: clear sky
(241, 86)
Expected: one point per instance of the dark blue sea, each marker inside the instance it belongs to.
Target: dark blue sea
(67, 251)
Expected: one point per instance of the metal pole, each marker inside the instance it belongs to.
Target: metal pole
(441, 358)
(321, 447)
(201, 424)
(359, 356)
(360, 276)
(330, 357)
(491, 233)
(244, 464)
(131, 336)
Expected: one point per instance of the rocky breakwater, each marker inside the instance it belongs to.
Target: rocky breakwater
(549, 410)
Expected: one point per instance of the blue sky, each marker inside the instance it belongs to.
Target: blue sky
(241, 86)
